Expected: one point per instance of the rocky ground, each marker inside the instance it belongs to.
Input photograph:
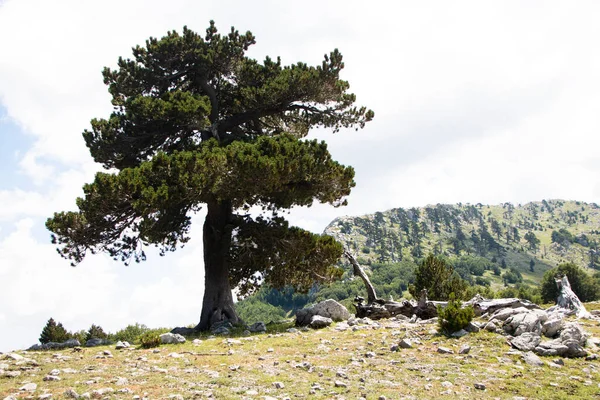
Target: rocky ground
(386, 359)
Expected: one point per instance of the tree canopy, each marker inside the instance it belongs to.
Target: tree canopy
(198, 123)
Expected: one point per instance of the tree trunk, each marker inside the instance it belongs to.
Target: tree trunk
(217, 305)
(358, 271)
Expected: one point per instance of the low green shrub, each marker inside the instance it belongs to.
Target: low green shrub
(454, 317)
(149, 340)
(131, 333)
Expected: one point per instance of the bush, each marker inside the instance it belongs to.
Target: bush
(95, 332)
(453, 318)
(149, 340)
(54, 332)
(586, 287)
(252, 310)
(131, 334)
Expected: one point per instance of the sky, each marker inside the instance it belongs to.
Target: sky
(475, 102)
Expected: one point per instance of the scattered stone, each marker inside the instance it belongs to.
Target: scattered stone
(278, 385)
(196, 342)
(447, 384)
(51, 378)
(460, 333)
(340, 384)
(465, 349)
(552, 327)
(54, 372)
(370, 354)
(14, 357)
(122, 345)
(444, 350)
(292, 330)
(591, 357)
(12, 374)
(122, 382)
(175, 355)
(532, 359)
(176, 397)
(171, 338)
(318, 322)
(405, 344)
(69, 371)
(71, 394)
(479, 386)
(258, 327)
(559, 361)
(28, 387)
(45, 396)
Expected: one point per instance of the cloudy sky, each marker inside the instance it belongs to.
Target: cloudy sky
(475, 102)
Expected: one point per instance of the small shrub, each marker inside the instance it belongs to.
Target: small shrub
(454, 318)
(131, 334)
(149, 340)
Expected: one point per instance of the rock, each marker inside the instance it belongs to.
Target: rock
(221, 328)
(526, 342)
(570, 343)
(340, 384)
(479, 386)
(122, 382)
(176, 397)
(559, 361)
(328, 309)
(196, 342)
(473, 327)
(531, 359)
(72, 343)
(54, 372)
(171, 338)
(459, 334)
(278, 385)
(444, 350)
(447, 384)
(258, 327)
(28, 387)
(45, 396)
(318, 322)
(96, 342)
(529, 321)
(14, 357)
(12, 374)
(51, 378)
(71, 394)
(405, 344)
(465, 349)
(491, 326)
(183, 331)
(591, 357)
(552, 327)
(121, 345)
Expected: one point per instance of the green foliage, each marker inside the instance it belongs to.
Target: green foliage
(438, 277)
(586, 287)
(131, 333)
(95, 332)
(522, 291)
(79, 336)
(562, 237)
(512, 276)
(149, 340)
(53, 332)
(253, 310)
(454, 317)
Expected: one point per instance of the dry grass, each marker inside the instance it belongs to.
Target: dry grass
(308, 364)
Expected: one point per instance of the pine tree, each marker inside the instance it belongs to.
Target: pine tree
(95, 332)
(53, 332)
(197, 123)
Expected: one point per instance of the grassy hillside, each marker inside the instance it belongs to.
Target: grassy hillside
(507, 235)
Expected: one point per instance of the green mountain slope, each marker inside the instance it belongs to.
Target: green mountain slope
(547, 233)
